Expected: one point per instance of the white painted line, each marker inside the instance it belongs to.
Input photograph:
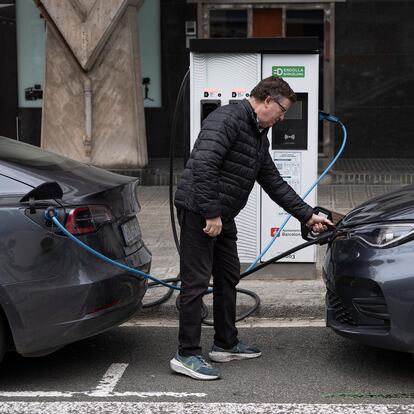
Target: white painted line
(247, 323)
(108, 382)
(281, 323)
(191, 408)
(153, 323)
(36, 394)
(137, 394)
(104, 389)
(160, 394)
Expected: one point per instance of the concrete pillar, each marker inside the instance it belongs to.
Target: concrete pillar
(93, 109)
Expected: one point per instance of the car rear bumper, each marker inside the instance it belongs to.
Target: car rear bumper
(98, 307)
(81, 301)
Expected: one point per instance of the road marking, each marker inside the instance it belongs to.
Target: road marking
(247, 323)
(159, 394)
(191, 408)
(108, 382)
(71, 394)
(36, 394)
(105, 389)
(281, 323)
(396, 395)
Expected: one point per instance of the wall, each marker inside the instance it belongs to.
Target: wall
(174, 64)
(375, 77)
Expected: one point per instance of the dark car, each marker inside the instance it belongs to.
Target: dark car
(53, 292)
(369, 273)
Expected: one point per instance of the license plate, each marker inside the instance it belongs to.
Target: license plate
(131, 231)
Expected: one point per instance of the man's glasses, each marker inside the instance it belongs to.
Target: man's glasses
(281, 106)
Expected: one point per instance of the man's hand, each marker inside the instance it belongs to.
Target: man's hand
(319, 224)
(213, 227)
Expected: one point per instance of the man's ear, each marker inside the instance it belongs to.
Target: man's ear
(267, 100)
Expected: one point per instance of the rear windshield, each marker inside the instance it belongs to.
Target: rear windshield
(18, 153)
(10, 186)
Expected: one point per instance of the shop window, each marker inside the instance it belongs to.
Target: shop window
(30, 53)
(267, 22)
(149, 33)
(228, 23)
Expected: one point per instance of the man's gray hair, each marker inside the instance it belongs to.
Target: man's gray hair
(275, 87)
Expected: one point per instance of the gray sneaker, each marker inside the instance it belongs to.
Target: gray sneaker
(239, 351)
(194, 367)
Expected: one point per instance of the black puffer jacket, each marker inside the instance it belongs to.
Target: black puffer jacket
(229, 155)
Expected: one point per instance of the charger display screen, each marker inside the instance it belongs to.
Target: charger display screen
(295, 111)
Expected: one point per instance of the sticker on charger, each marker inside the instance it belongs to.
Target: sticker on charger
(284, 233)
(291, 233)
(273, 231)
(289, 166)
(289, 71)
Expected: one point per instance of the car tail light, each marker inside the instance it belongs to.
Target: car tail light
(102, 307)
(87, 219)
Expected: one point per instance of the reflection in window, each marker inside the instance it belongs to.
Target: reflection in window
(9, 186)
(305, 23)
(30, 50)
(24, 155)
(228, 23)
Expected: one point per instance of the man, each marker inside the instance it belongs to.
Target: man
(229, 155)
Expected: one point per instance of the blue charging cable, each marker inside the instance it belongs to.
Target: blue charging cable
(52, 214)
(322, 116)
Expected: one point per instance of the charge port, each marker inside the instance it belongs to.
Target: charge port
(207, 106)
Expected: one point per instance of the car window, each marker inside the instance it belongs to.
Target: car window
(17, 153)
(10, 186)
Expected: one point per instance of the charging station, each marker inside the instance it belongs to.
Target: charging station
(224, 71)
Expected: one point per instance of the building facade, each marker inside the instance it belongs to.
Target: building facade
(366, 58)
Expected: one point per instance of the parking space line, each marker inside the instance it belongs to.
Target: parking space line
(108, 382)
(69, 394)
(247, 323)
(159, 394)
(36, 394)
(105, 388)
(191, 408)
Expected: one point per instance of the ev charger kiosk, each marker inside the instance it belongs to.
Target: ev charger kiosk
(224, 71)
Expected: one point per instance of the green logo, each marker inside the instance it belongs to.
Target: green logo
(289, 71)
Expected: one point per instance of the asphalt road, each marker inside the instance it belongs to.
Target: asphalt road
(307, 365)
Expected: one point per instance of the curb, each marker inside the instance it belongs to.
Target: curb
(278, 299)
(315, 311)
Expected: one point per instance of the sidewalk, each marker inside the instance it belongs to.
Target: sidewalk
(279, 298)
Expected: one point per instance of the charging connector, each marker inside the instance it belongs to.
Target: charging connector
(51, 212)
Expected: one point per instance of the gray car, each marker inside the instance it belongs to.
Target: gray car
(53, 292)
(369, 273)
